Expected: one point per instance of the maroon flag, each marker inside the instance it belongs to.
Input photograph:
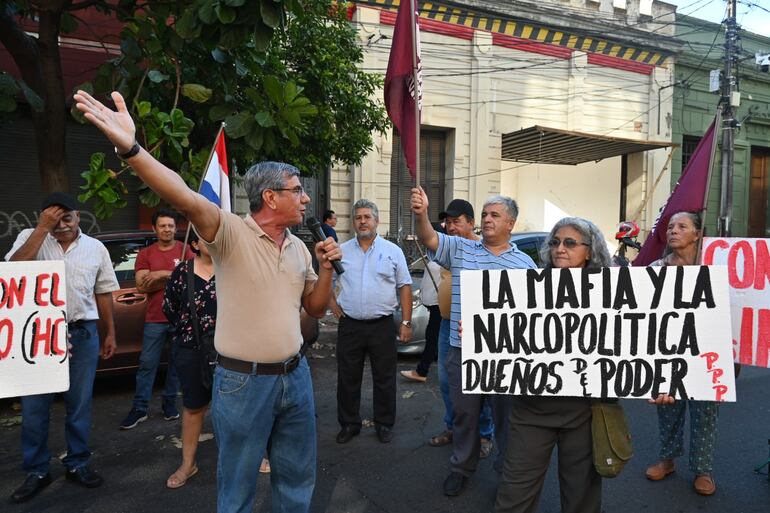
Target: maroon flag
(401, 92)
(689, 195)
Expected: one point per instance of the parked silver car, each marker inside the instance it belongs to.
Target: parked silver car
(528, 242)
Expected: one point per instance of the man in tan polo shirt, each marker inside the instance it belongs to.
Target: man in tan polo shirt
(262, 386)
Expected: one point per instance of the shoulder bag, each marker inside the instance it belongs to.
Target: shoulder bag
(611, 438)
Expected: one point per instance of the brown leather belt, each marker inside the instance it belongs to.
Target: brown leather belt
(284, 367)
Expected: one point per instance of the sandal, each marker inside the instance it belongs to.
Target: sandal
(264, 468)
(178, 479)
(442, 439)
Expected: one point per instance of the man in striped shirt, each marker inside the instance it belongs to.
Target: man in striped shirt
(493, 251)
(90, 281)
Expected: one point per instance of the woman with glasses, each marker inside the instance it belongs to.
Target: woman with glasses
(536, 424)
(682, 236)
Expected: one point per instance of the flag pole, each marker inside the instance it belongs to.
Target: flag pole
(416, 84)
(717, 124)
(415, 76)
(200, 185)
(417, 94)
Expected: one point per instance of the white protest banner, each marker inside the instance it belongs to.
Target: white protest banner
(631, 332)
(748, 273)
(33, 328)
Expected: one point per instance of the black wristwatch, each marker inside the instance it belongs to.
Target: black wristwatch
(130, 153)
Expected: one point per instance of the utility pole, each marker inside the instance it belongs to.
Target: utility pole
(730, 99)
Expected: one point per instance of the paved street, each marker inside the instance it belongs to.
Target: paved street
(367, 476)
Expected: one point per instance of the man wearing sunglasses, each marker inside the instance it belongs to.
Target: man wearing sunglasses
(494, 251)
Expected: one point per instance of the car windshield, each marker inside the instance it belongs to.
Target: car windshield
(123, 256)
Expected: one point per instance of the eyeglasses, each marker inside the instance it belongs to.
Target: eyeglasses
(569, 243)
(298, 190)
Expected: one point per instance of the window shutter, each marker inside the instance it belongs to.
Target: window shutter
(432, 173)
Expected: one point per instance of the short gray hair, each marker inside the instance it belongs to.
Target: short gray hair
(263, 176)
(365, 203)
(509, 203)
(591, 234)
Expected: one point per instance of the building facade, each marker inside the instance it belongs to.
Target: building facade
(695, 107)
(493, 70)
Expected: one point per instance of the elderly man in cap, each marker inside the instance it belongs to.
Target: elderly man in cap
(90, 281)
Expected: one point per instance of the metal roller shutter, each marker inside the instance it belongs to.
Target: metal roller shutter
(432, 173)
(20, 180)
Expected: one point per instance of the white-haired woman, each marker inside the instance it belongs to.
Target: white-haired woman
(682, 236)
(537, 424)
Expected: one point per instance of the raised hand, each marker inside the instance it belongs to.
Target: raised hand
(116, 125)
(419, 202)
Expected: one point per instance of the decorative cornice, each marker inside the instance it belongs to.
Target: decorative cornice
(502, 25)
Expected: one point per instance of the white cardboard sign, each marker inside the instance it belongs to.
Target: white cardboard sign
(33, 328)
(629, 332)
(748, 274)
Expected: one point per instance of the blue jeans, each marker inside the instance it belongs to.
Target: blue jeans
(257, 413)
(486, 422)
(156, 335)
(77, 425)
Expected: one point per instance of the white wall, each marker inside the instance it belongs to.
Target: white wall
(478, 91)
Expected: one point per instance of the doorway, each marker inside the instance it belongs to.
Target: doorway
(758, 193)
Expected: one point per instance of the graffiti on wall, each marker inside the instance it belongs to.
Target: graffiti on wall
(11, 223)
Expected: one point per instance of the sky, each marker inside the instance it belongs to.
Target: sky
(753, 15)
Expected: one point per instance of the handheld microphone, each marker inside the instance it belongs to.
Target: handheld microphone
(318, 235)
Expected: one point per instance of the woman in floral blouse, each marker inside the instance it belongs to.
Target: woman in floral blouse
(189, 357)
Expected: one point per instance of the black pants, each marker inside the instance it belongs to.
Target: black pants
(431, 341)
(356, 339)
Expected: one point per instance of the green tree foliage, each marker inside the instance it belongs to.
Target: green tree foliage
(282, 74)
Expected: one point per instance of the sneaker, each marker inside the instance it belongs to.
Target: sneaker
(33, 484)
(170, 413)
(84, 476)
(133, 418)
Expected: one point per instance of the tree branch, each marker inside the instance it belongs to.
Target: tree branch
(178, 82)
(22, 48)
(89, 3)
